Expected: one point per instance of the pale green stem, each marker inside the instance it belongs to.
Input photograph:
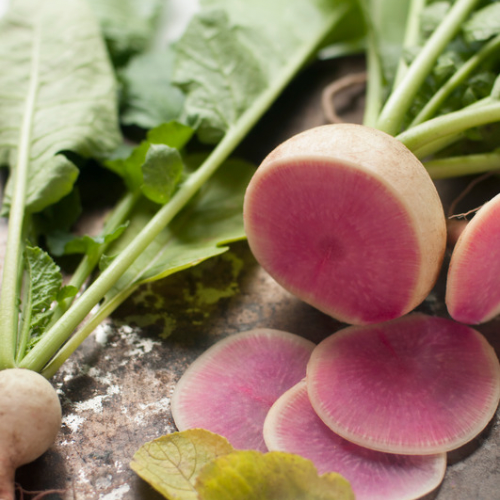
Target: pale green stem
(436, 145)
(53, 339)
(398, 104)
(88, 263)
(24, 334)
(412, 35)
(462, 165)
(374, 83)
(433, 105)
(447, 125)
(9, 303)
(85, 330)
(374, 88)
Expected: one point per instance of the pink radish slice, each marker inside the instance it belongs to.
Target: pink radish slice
(230, 388)
(472, 288)
(293, 426)
(347, 219)
(417, 385)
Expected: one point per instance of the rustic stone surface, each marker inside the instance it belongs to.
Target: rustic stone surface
(116, 389)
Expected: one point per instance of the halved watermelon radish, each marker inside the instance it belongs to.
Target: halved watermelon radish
(346, 218)
(472, 291)
(293, 426)
(231, 386)
(415, 385)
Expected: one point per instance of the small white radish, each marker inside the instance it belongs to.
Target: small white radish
(346, 218)
(30, 418)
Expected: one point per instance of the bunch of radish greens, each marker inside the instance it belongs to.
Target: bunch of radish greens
(61, 108)
(433, 85)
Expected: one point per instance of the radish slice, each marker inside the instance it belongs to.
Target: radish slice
(293, 426)
(230, 388)
(347, 219)
(417, 385)
(472, 291)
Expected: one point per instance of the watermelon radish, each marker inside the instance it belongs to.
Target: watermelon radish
(346, 218)
(472, 291)
(415, 385)
(293, 426)
(231, 386)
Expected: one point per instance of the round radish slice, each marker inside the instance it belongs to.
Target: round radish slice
(416, 385)
(347, 219)
(472, 291)
(293, 426)
(230, 388)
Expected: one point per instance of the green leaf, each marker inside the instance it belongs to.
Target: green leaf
(251, 475)
(432, 16)
(172, 134)
(220, 75)
(64, 243)
(61, 215)
(233, 50)
(45, 280)
(199, 232)
(172, 463)
(54, 100)
(161, 171)
(128, 25)
(483, 24)
(149, 98)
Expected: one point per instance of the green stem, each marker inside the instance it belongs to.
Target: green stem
(54, 338)
(453, 123)
(433, 105)
(463, 165)
(373, 87)
(88, 263)
(10, 288)
(412, 35)
(374, 81)
(441, 143)
(84, 331)
(396, 107)
(25, 323)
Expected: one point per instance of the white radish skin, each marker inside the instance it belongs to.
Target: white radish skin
(346, 218)
(30, 418)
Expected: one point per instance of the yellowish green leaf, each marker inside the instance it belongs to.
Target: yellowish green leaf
(251, 475)
(172, 463)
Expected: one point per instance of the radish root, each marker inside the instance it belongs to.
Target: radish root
(335, 88)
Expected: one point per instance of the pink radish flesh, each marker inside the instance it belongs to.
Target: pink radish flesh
(472, 288)
(328, 216)
(416, 385)
(293, 426)
(230, 388)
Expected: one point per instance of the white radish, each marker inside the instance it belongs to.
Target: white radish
(346, 218)
(30, 418)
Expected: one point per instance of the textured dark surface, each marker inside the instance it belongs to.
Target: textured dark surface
(116, 389)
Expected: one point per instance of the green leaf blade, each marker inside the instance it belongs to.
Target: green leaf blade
(199, 232)
(67, 97)
(218, 72)
(149, 98)
(45, 282)
(162, 171)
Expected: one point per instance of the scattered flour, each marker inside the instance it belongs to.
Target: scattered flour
(116, 494)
